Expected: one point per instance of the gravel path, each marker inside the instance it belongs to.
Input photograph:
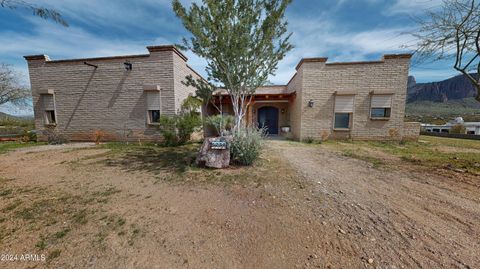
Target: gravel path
(391, 217)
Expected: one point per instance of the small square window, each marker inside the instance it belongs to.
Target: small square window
(342, 121)
(380, 113)
(154, 116)
(50, 117)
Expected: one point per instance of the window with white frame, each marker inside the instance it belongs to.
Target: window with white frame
(381, 106)
(344, 105)
(48, 104)
(153, 107)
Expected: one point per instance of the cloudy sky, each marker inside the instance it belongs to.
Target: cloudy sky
(342, 30)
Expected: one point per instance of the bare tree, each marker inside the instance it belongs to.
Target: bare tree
(11, 91)
(39, 11)
(453, 32)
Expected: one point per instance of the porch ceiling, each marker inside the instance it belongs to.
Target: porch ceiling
(264, 90)
(264, 98)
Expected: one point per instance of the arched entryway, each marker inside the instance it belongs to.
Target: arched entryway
(268, 118)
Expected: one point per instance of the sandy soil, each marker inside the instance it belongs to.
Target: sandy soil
(309, 207)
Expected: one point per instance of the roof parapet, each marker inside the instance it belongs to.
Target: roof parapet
(397, 56)
(150, 49)
(37, 57)
(311, 60)
(385, 57)
(167, 48)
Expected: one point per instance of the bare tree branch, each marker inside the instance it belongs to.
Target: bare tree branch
(453, 31)
(10, 89)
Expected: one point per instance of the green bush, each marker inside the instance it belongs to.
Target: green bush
(176, 130)
(247, 145)
(311, 140)
(28, 136)
(220, 123)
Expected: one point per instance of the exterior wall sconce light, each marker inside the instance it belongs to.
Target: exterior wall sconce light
(128, 66)
(311, 103)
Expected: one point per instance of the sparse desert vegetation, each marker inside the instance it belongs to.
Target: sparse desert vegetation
(115, 205)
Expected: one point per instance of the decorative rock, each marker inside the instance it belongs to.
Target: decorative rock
(214, 158)
(342, 231)
(370, 261)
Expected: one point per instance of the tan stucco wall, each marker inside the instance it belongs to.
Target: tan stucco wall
(411, 131)
(295, 110)
(107, 98)
(321, 80)
(181, 70)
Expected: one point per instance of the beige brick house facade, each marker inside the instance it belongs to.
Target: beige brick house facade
(101, 94)
(358, 100)
(322, 84)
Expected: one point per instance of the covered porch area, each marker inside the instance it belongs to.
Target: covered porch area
(269, 108)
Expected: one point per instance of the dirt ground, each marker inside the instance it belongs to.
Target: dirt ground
(302, 206)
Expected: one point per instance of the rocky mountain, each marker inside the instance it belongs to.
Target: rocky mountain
(455, 88)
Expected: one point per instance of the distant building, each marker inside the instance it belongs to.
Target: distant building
(472, 128)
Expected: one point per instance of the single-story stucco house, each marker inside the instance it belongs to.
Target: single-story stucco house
(123, 96)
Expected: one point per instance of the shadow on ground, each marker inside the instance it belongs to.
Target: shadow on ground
(153, 159)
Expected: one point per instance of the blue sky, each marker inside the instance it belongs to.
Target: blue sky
(343, 30)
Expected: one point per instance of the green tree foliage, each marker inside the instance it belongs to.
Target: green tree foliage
(242, 41)
(246, 145)
(177, 130)
(220, 123)
(42, 12)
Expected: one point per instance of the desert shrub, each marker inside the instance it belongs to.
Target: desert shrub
(458, 129)
(312, 140)
(98, 135)
(54, 137)
(28, 136)
(177, 129)
(220, 123)
(246, 145)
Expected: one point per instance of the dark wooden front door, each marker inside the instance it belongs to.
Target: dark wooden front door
(268, 119)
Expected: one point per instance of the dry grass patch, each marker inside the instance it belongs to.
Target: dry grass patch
(428, 152)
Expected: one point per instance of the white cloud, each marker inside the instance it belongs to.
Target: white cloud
(322, 38)
(412, 6)
(313, 37)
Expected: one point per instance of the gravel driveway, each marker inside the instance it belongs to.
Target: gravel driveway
(393, 217)
(301, 206)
